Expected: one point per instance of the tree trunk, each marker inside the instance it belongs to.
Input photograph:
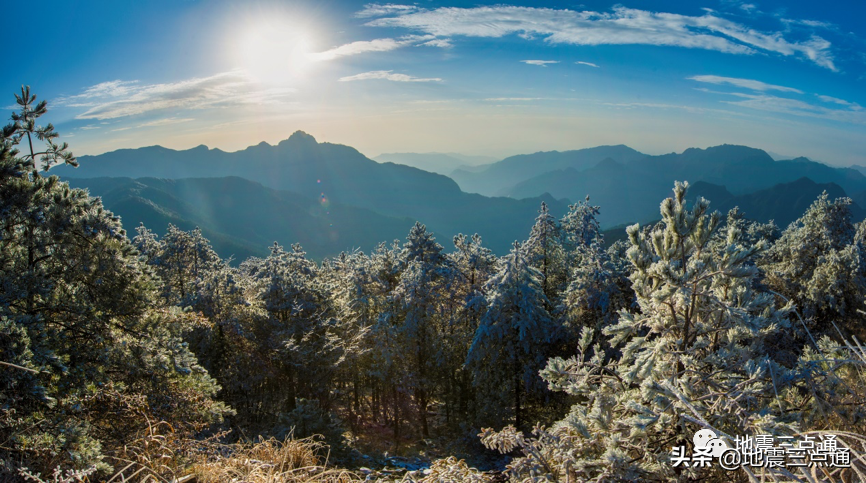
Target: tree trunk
(517, 420)
(421, 395)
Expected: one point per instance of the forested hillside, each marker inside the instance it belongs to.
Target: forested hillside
(242, 217)
(568, 358)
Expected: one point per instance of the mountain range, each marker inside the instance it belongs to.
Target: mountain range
(629, 191)
(328, 174)
(331, 198)
(498, 178)
(440, 163)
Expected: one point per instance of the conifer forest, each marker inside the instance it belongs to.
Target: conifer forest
(137, 353)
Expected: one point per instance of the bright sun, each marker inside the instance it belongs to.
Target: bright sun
(274, 52)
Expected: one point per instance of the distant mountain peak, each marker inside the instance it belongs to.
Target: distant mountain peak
(299, 137)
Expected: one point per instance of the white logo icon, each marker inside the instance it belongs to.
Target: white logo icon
(717, 447)
(703, 437)
(707, 440)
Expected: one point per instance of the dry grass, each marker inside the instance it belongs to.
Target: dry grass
(270, 461)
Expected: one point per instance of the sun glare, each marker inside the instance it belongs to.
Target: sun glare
(274, 52)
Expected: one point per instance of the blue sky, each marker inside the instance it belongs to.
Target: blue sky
(473, 77)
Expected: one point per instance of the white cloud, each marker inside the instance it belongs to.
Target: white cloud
(586, 63)
(621, 26)
(116, 99)
(115, 88)
(795, 107)
(360, 47)
(754, 85)
(835, 100)
(748, 7)
(542, 63)
(165, 122)
(387, 75)
(379, 10)
(814, 24)
(442, 43)
(89, 127)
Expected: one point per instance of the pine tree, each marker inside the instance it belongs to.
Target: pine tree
(422, 324)
(817, 264)
(512, 340)
(597, 287)
(78, 315)
(545, 251)
(580, 227)
(387, 371)
(695, 354)
(24, 126)
(473, 265)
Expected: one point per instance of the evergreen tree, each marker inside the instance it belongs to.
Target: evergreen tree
(391, 389)
(295, 337)
(597, 284)
(96, 359)
(420, 330)
(184, 261)
(695, 354)
(580, 228)
(512, 340)
(545, 252)
(817, 264)
(465, 304)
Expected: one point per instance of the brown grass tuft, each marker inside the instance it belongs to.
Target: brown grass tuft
(270, 461)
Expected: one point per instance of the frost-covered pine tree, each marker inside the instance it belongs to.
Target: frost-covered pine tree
(545, 251)
(464, 301)
(421, 320)
(817, 264)
(596, 290)
(580, 228)
(375, 295)
(512, 341)
(301, 335)
(696, 353)
(89, 358)
(183, 260)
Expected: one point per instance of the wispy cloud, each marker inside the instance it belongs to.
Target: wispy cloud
(542, 63)
(115, 88)
(621, 26)
(796, 107)
(580, 62)
(442, 43)
(835, 100)
(812, 24)
(387, 75)
(165, 122)
(360, 47)
(754, 85)
(842, 111)
(380, 10)
(116, 99)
